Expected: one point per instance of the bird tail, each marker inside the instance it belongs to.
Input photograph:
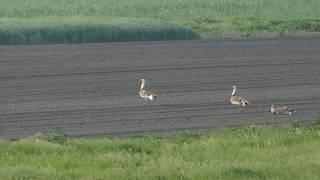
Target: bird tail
(292, 111)
(244, 102)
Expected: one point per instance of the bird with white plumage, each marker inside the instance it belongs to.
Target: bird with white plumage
(282, 110)
(145, 93)
(238, 100)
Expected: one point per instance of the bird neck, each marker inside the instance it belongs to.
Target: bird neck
(142, 84)
(233, 92)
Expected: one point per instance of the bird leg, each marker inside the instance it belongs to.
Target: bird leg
(237, 108)
(234, 110)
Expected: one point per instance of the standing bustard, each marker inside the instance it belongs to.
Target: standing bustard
(146, 94)
(237, 100)
(281, 110)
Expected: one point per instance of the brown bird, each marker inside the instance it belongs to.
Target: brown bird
(146, 94)
(281, 110)
(238, 100)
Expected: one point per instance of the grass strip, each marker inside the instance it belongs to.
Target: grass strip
(252, 152)
(252, 27)
(48, 30)
(165, 9)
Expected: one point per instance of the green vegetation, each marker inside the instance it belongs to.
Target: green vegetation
(87, 29)
(291, 152)
(251, 27)
(165, 9)
(69, 21)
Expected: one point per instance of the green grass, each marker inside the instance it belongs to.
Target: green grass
(290, 152)
(45, 30)
(69, 21)
(165, 9)
(252, 27)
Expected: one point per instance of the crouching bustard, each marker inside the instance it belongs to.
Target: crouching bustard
(237, 100)
(281, 110)
(146, 94)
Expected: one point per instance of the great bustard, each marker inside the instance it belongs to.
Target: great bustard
(281, 110)
(237, 100)
(146, 94)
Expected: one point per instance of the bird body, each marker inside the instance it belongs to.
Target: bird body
(146, 94)
(238, 100)
(281, 110)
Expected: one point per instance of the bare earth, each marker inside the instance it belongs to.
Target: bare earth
(92, 89)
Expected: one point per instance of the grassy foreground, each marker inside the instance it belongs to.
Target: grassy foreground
(252, 152)
(69, 21)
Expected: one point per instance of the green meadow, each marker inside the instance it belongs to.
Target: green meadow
(251, 152)
(69, 21)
